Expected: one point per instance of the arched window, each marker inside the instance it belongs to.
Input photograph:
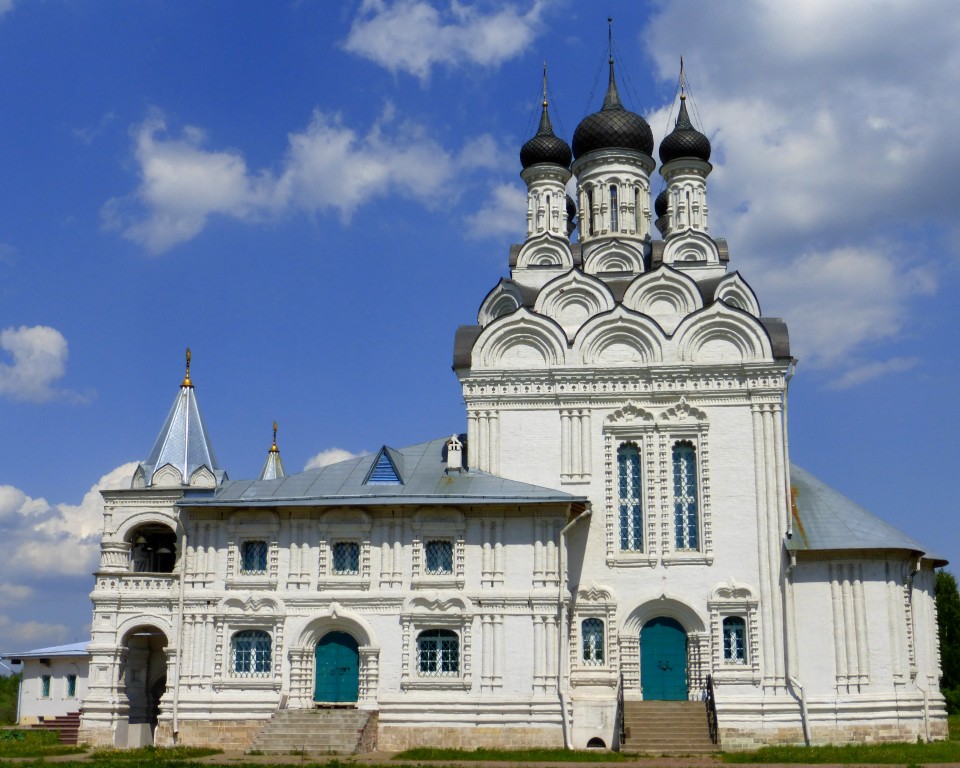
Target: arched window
(251, 653)
(592, 631)
(614, 209)
(685, 504)
(438, 653)
(630, 498)
(637, 211)
(591, 222)
(734, 640)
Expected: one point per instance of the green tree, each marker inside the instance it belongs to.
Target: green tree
(948, 614)
(9, 689)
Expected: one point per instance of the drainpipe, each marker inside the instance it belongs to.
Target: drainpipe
(925, 689)
(791, 369)
(563, 640)
(179, 642)
(796, 687)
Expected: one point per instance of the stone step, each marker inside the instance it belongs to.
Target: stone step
(312, 731)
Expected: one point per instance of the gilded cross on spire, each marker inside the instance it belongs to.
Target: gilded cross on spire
(186, 378)
(610, 36)
(683, 82)
(273, 448)
(544, 84)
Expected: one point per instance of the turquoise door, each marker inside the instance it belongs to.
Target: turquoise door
(663, 660)
(338, 668)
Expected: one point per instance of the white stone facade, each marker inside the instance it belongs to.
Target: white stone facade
(639, 378)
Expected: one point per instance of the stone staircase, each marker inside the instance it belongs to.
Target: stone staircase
(66, 726)
(666, 727)
(333, 731)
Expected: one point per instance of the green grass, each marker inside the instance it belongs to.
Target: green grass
(514, 755)
(150, 755)
(15, 742)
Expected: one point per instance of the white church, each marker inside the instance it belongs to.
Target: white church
(619, 531)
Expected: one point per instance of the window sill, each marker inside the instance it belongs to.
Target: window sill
(251, 582)
(437, 582)
(595, 676)
(249, 683)
(632, 560)
(437, 684)
(687, 558)
(343, 582)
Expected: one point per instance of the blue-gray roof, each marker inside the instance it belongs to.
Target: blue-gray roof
(74, 649)
(183, 441)
(825, 519)
(422, 469)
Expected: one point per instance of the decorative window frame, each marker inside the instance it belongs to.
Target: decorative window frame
(684, 423)
(235, 614)
(631, 424)
(346, 526)
(231, 661)
(421, 614)
(446, 524)
(595, 602)
(252, 525)
(734, 600)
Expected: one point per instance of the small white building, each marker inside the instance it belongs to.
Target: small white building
(53, 681)
(620, 522)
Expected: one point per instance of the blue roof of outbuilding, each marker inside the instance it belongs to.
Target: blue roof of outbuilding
(825, 519)
(73, 649)
(424, 480)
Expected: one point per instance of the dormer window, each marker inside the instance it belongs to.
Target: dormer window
(384, 470)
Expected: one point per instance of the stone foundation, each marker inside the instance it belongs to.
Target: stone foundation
(395, 738)
(754, 738)
(95, 737)
(228, 735)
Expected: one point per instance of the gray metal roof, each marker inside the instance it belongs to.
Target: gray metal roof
(422, 468)
(74, 649)
(825, 519)
(183, 441)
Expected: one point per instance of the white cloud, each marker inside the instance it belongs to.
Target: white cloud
(331, 456)
(39, 360)
(15, 593)
(181, 185)
(868, 371)
(834, 158)
(414, 36)
(503, 215)
(54, 539)
(26, 635)
(5, 7)
(329, 166)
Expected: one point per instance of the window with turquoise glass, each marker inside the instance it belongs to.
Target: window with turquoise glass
(734, 640)
(592, 631)
(71, 686)
(45, 687)
(251, 653)
(630, 498)
(686, 509)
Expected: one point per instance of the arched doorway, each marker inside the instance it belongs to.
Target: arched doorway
(143, 683)
(663, 660)
(337, 669)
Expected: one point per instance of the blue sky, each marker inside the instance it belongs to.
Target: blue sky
(314, 195)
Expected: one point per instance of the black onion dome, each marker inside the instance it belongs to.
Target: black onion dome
(545, 147)
(684, 140)
(571, 208)
(613, 126)
(662, 203)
